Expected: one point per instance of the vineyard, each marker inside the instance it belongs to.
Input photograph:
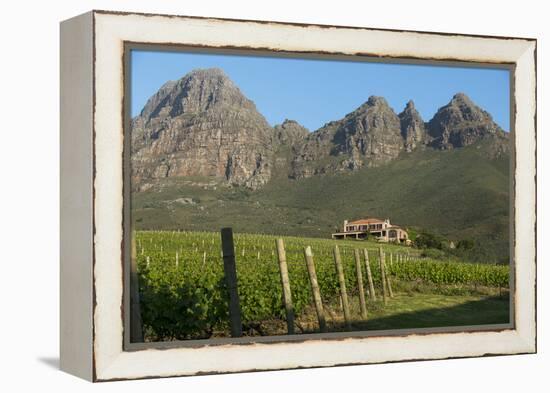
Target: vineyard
(183, 294)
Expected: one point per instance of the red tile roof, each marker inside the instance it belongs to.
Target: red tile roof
(366, 221)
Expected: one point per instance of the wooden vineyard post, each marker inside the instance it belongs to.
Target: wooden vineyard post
(360, 287)
(285, 282)
(342, 284)
(383, 274)
(136, 331)
(369, 275)
(388, 280)
(230, 271)
(315, 289)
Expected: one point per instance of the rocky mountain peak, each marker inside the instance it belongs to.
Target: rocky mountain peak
(205, 89)
(410, 106)
(410, 109)
(201, 125)
(198, 91)
(460, 123)
(373, 104)
(462, 98)
(376, 100)
(203, 73)
(290, 132)
(413, 129)
(368, 136)
(289, 123)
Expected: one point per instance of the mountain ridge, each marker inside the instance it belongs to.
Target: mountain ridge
(204, 118)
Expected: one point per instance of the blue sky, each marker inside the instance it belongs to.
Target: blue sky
(314, 92)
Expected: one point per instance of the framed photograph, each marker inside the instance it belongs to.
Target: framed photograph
(248, 195)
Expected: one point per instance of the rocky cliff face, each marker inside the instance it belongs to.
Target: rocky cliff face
(201, 125)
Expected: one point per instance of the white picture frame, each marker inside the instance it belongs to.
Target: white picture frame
(92, 195)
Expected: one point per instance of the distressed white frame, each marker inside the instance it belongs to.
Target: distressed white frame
(109, 360)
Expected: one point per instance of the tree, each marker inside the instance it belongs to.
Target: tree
(426, 239)
(465, 244)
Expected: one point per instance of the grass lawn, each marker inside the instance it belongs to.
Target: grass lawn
(403, 311)
(430, 310)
